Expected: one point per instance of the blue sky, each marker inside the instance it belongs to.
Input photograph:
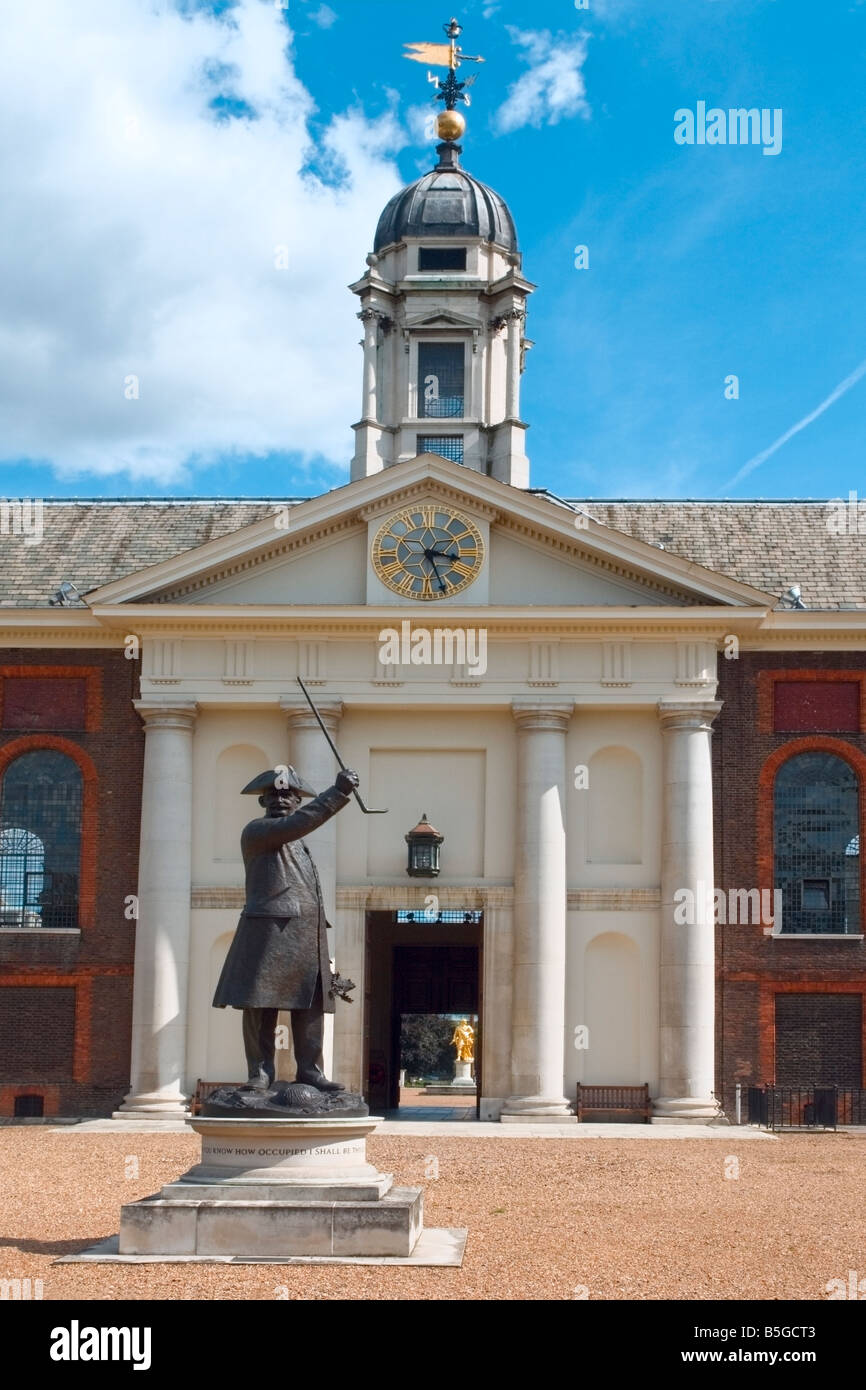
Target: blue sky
(169, 147)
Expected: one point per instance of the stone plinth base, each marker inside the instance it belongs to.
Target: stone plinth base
(685, 1110)
(534, 1110)
(556, 1119)
(452, 1088)
(237, 1226)
(272, 1188)
(443, 1247)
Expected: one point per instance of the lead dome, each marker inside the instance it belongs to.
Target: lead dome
(447, 202)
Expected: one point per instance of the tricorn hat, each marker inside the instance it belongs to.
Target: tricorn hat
(281, 778)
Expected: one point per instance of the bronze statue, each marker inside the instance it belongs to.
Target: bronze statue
(279, 958)
(463, 1039)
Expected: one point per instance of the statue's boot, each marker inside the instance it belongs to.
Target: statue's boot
(308, 1035)
(259, 1030)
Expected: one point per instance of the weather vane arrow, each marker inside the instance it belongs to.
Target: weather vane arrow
(446, 55)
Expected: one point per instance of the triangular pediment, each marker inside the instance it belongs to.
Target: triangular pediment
(541, 553)
(441, 319)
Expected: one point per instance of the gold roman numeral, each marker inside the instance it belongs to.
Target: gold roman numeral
(464, 570)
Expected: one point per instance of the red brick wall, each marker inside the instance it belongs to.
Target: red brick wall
(85, 1072)
(752, 968)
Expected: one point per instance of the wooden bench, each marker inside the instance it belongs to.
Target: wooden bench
(203, 1090)
(611, 1103)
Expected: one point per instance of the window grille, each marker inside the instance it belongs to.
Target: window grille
(441, 373)
(40, 841)
(447, 914)
(817, 847)
(442, 258)
(29, 1107)
(450, 446)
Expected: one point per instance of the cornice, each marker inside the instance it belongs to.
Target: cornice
(367, 620)
(423, 490)
(284, 548)
(93, 634)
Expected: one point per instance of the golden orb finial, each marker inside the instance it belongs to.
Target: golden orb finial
(450, 125)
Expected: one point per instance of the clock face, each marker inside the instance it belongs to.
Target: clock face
(428, 552)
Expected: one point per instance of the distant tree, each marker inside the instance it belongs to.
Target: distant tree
(425, 1045)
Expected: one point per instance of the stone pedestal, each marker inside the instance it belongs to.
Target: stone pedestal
(274, 1188)
(463, 1083)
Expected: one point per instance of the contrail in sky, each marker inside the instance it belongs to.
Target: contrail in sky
(801, 424)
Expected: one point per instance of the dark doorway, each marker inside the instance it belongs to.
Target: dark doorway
(419, 968)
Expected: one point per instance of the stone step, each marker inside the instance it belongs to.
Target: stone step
(270, 1229)
(289, 1190)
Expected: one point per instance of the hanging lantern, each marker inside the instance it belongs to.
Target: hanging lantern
(423, 844)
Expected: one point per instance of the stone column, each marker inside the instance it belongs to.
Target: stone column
(370, 320)
(538, 1009)
(515, 319)
(496, 999)
(311, 757)
(687, 955)
(159, 1010)
(351, 949)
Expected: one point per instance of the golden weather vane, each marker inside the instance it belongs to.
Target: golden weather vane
(450, 125)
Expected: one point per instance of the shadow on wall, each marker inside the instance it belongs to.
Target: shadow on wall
(235, 767)
(614, 826)
(612, 995)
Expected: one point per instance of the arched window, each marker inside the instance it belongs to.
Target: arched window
(40, 840)
(817, 844)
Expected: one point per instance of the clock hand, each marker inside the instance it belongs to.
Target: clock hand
(428, 555)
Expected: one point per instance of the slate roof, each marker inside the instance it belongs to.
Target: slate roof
(769, 545)
(91, 543)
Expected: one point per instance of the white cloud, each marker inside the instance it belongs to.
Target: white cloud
(140, 235)
(324, 16)
(553, 88)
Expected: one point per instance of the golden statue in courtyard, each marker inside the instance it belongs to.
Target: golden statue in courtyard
(464, 1040)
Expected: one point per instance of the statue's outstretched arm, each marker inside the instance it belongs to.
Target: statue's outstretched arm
(272, 831)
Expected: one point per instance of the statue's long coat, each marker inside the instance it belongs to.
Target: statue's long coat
(280, 947)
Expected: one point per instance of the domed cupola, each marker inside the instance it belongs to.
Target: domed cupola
(444, 203)
(443, 304)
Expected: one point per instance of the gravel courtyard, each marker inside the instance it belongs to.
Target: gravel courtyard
(547, 1218)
